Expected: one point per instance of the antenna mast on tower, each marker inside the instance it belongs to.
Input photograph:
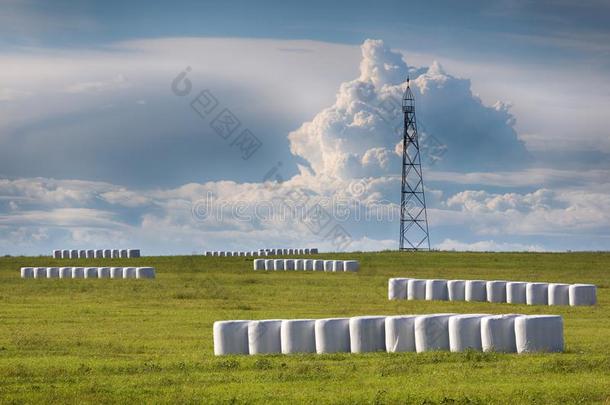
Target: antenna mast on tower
(413, 217)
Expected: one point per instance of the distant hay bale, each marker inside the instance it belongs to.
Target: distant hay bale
(332, 335)
(397, 288)
(456, 290)
(116, 272)
(582, 294)
(465, 332)
(134, 253)
(259, 264)
(230, 337)
(145, 272)
(318, 265)
(367, 334)
(337, 265)
(559, 294)
(539, 333)
(40, 272)
(298, 336)
(103, 272)
(476, 290)
(264, 336)
(90, 254)
(515, 292)
(498, 333)
(400, 333)
(129, 272)
(99, 254)
(52, 272)
(27, 272)
(351, 265)
(436, 290)
(537, 293)
(65, 272)
(78, 272)
(57, 254)
(496, 291)
(432, 332)
(91, 272)
(416, 289)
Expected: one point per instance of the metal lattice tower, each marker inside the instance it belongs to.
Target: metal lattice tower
(413, 217)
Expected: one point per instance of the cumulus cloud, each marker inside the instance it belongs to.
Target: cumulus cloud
(488, 246)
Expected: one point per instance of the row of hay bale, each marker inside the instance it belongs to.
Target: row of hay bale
(263, 252)
(87, 272)
(96, 254)
(306, 264)
(407, 333)
(512, 292)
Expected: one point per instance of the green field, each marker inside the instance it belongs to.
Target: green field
(118, 341)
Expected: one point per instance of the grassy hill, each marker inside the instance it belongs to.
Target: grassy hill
(118, 341)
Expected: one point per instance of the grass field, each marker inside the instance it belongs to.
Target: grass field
(150, 341)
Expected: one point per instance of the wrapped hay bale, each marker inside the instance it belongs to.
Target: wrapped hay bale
(278, 264)
(416, 289)
(65, 272)
(107, 254)
(99, 254)
(306, 251)
(57, 254)
(307, 264)
(65, 254)
(116, 272)
(52, 272)
(264, 336)
(498, 333)
(133, 253)
(288, 264)
(582, 294)
(103, 272)
(397, 288)
(328, 265)
(400, 333)
(40, 272)
(90, 254)
(351, 265)
(318, 265)
(116, 253)
(332, 335)
(432, 332)
(145, 272)
(91, 272)
(228, 254)
(269, 264)
(515, 292)
(559, 294)
(367, 334)
(475, 290)
(337, 265)
(496, 291)
(313, 250)
(537, 293)
(299, 264)
(259, 264)
(539, 333)
(436, 290)
(73, 254)
(129, 272)
(465, 332)
(27, 272)
(230, 337)
(78, 272)
(82, 254)
(298, 336)
(456, 290)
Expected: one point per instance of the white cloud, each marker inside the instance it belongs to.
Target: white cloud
(487, 246)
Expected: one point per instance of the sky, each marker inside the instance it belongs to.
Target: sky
(184, 126)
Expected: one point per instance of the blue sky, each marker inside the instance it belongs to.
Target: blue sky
(96, 149)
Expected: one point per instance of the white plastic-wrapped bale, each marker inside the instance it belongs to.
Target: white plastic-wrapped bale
(313, 250)
(264, 336)
(107, 254)
(291, 251)
(90, 254)
(400, 333)
(52, 272)
(103, 272)
(537, 293)
(278, 264)
(432, 332)
(249, 254)
(328, 265)
(207, 253)
(397, 288)
(91, 272)
(539, 333)
(367, 334)
(216, 253)
(73, 254)
(116, 272)
(332, 335)
(475, 290)
(129, 272)
(416, 289)
(436, 290)
(583, 294)
(230, 337)
(40, 272)
(116, 253)
(496, 291)
(133, 253)
(299, 264)
(298, 336)
(57, 254)
(318, 265)
(456, 290)
(306, 251)
(99, 254)
(351, 265)
(145, 272)
(498, 333)
(65, 254)
(82, 254)
(269, 264)
(27, 272)
(284, 251)
(288, 264)
(515, 292)
(465, 332)
(259, 264)
(65, 272)
(78, 272)
(229, 254)
(559, 294)
(308, 264)
(337, 265)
